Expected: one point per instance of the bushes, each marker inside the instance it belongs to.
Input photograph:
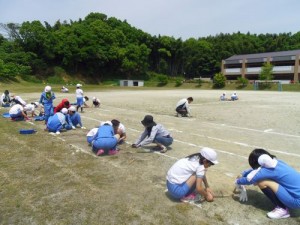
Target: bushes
(219, 80)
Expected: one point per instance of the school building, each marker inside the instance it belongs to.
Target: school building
(286, 65)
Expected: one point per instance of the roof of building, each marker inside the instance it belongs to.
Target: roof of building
(265, 55)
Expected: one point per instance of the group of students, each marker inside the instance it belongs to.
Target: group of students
(186, 180)
(233, 97)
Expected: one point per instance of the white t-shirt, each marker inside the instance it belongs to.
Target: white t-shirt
(20, 100)
(184, 168)
(29, 108)
(15, 109)
(122, 128)
(92, 132)
(79, 93)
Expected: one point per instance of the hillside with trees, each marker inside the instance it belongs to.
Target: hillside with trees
(101, 48)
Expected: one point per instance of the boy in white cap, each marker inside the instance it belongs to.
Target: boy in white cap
(234, 97)
(187, 177)
(30, 108)
(74, 118)
(79, 97)
(57, 122)
(223, 97)
(46, 100)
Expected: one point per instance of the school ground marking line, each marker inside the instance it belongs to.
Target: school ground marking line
(247, 145)
(268, 131)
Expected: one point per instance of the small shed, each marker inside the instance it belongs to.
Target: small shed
(132, 83)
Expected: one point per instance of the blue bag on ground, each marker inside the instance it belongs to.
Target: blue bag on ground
(6, 115)
(27, 131)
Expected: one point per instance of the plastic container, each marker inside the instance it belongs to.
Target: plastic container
(27, 131)
(6, 115)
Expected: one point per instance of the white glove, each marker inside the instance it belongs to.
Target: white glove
(73, 127)
(57, 132)
(83, 128)
(243, 192)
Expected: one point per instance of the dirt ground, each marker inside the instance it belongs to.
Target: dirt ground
(47, 179)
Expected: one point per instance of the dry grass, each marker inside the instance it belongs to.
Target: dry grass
(47, 179)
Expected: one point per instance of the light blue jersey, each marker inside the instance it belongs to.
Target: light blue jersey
(287, 178)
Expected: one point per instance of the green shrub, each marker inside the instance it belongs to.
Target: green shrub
(219, 80)
(242, 81)
(55, 80)
(162, 79)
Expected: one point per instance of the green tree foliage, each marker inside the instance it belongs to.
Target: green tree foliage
(219, 80)
(102, 48)
(266, 72)
(242, 81)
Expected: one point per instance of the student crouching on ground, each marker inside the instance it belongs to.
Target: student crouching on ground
(186, 177)
(17, 113)
(183, 107)
(277, 180)
(154, 133)
(57, 122)
(74, 118)
(105, 140)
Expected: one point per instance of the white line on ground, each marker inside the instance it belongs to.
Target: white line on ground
(255, 130)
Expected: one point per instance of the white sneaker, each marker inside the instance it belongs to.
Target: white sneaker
(278, 213)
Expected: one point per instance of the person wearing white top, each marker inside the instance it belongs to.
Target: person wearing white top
(18, 100)
(30, 108)
(120, 129)
(186, 177)
(234, 97)
(79, 97)
(17, 113)
(183, 107)
(5, 99)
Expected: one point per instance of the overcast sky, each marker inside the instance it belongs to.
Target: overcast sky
(177, 18)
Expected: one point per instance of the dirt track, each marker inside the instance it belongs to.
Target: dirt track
(134, 183)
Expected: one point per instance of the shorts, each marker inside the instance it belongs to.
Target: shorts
(79, 101)
(105, 143)
(286, 198)
(89, 139)
(178, 191)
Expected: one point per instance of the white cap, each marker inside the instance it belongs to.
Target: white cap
(106, 122)
(209, 154)
(94, 98)
(78, 85)
(64, 110)
(36, 104)
(266, 161)
(72, 108)
(47, 88)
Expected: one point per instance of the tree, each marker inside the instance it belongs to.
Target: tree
(266, 72)
(219, 80)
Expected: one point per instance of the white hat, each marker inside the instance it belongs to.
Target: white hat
(209, 154)
(78, 85)
(72, 108)
(47, 88)
(94, 98)
(36, 104)
(266, 161)
(64, 110)
(106, 122)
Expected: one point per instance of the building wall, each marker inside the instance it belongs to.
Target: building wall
(285, 67)
(132, 83)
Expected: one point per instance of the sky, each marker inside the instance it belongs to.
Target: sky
(177, 18)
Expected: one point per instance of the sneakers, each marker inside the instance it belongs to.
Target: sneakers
(191, 198)
(278, 213)
(163, 149)
(112, 152)
(100, 152)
